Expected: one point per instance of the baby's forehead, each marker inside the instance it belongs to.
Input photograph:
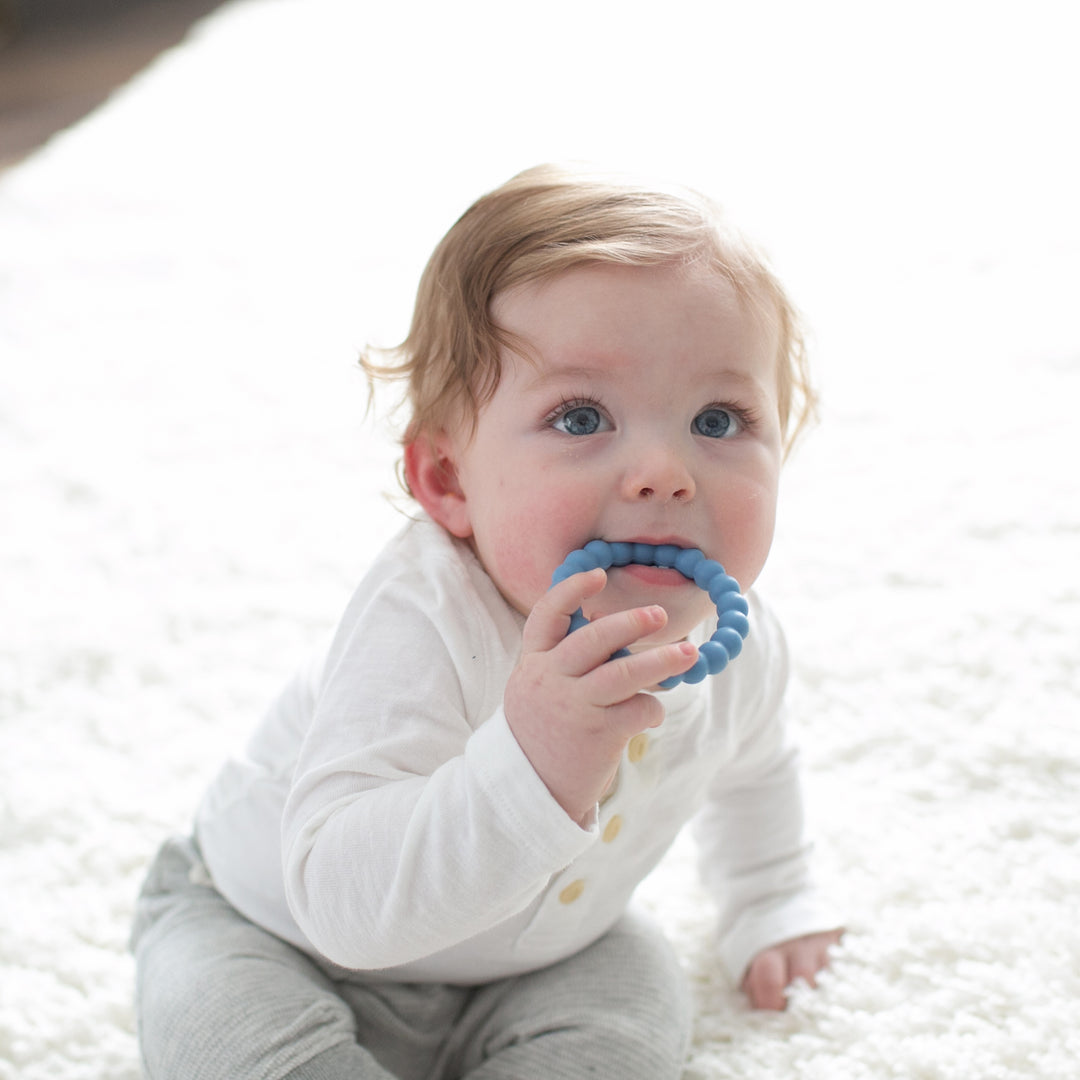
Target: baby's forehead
(593, 300)
(735, 286)
(581, 330)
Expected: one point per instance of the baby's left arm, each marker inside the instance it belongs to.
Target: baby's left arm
(774, 969)
(775, 926)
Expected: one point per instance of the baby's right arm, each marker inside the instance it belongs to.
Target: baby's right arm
(571, 711)
(417, 816)
(414, 819)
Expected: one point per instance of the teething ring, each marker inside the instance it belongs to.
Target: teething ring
(731, 607)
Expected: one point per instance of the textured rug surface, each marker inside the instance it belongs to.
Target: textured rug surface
(189, 487)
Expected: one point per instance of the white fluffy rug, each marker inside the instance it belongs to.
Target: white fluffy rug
(188, 486)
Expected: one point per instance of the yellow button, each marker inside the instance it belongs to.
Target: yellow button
(611, 829)
(572, 891)
(636, 748)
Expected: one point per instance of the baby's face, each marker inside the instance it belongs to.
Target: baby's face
(647, 412)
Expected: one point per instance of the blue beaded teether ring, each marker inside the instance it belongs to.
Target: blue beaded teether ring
(731, 608)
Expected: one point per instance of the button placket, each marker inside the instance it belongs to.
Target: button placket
(624, 786)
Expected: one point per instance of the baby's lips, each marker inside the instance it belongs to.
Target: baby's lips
(606, 554)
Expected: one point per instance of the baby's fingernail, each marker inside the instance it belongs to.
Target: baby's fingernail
(687, 649)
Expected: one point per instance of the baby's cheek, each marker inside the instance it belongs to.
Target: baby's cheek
(519, 572)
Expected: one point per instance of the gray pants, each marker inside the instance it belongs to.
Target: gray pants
(218, 997)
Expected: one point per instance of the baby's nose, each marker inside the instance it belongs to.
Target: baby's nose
(661, 474)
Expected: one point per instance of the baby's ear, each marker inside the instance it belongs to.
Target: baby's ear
(432, 479)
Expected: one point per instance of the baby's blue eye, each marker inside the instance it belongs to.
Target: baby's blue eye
(715, 423)
(579, 420)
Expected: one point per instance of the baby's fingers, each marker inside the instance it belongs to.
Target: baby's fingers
(621, 678)
(549, 619)
(593, 644)
(766, 980)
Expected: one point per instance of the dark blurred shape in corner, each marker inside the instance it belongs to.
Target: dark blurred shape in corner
(60, 59)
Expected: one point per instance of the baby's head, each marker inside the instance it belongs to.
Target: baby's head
(593, 359)
(543, 222)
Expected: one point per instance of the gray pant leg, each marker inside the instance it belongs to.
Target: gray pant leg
(217, 998)
(618, 1010)
(405, 1025)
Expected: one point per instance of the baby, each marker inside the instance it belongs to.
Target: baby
(422, 866)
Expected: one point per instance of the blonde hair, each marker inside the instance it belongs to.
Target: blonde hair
(541, 223)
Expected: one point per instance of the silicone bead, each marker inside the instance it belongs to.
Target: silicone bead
(686, 562)
(716, 656)
(600, 550)
(568, 569)
(731, 608)
(697, 671)
(721, 584)
(707, 572)
(666, 554)
(581, 560)
(730, 639)
(733, 602)
(736, 620)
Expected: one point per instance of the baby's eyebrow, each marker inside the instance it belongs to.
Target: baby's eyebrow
(547, 372)
(744, 378)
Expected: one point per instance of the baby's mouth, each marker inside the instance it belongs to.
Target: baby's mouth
(651, 575)
(658, 564)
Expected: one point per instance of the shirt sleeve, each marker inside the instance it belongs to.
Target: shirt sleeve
(752, 835)
(412, 826)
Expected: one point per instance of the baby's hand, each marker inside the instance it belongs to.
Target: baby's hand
(775, 969)
(573, 712)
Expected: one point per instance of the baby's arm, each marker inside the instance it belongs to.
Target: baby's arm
(570, 710)
(775, 927)
(756, 850)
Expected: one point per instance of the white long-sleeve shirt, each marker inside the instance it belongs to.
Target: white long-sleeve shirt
(385, 817)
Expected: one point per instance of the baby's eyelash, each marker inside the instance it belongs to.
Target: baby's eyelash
(747, 416)
(568, 405)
